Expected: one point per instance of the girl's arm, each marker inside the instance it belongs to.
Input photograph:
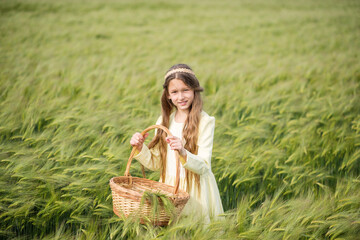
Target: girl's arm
(201, 163)
(150, 158)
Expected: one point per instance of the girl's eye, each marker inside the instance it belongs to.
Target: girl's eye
(186, 90)
(173, 92)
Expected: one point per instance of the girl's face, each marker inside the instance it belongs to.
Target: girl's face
(180, 94)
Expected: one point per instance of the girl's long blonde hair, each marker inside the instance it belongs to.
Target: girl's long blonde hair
(191, 126)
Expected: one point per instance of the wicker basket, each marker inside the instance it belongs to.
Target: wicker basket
(127, 192)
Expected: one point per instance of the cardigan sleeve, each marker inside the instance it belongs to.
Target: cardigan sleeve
(201, 163)
(150, 158)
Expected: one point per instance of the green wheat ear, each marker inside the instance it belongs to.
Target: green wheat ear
(158, 202)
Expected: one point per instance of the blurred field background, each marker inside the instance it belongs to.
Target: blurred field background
(78, 78)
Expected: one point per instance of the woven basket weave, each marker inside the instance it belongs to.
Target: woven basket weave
(127, 192)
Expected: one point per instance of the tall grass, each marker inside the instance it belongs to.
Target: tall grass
(281, 77)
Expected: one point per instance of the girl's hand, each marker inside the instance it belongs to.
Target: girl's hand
(137, 140)
(176, 144)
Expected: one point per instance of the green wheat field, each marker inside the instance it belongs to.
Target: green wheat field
(282, 78)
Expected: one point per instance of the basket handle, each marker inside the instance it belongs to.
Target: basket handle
(177, 180)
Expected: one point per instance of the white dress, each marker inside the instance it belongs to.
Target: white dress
(207, 204)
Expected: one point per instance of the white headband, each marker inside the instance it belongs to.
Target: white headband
(179, 70)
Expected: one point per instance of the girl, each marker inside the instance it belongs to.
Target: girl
(193, 133)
